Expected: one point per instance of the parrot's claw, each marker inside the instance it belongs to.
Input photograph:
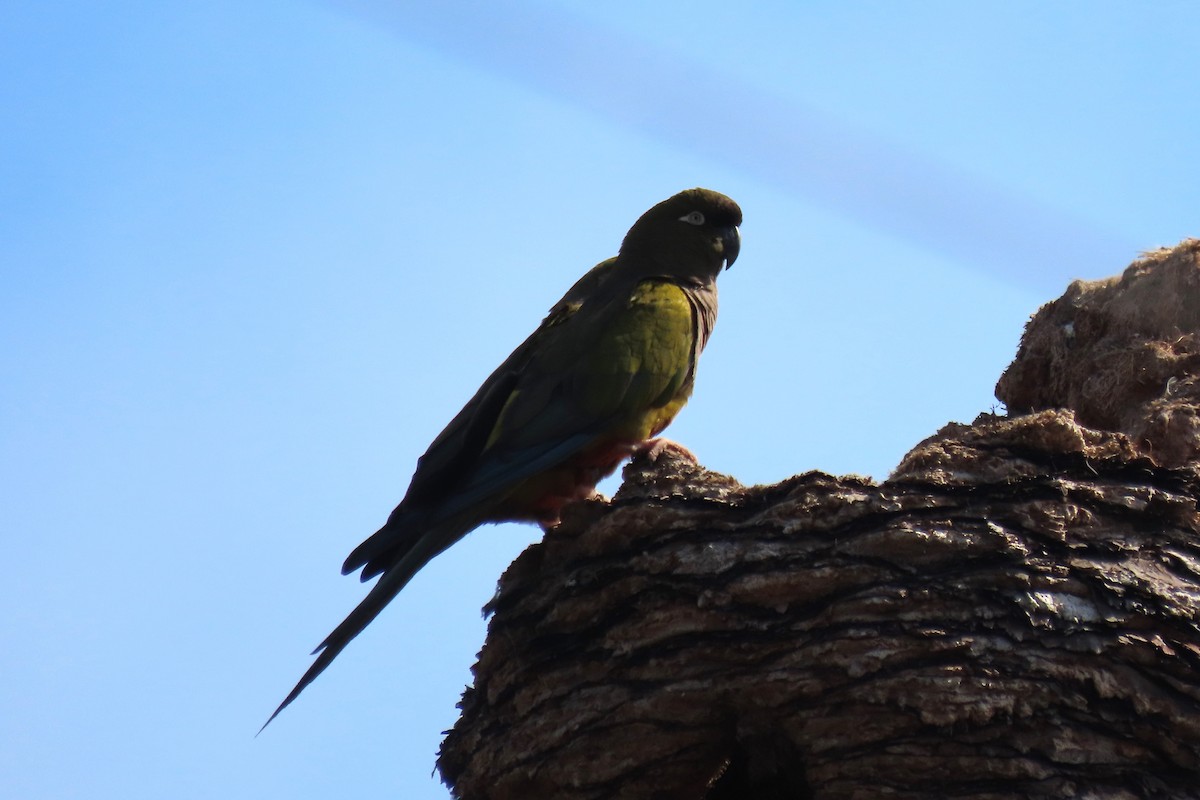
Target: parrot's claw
(653, 449)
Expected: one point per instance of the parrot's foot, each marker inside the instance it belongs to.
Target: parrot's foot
(653, 449)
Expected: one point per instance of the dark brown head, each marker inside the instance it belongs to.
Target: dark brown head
(691, 235)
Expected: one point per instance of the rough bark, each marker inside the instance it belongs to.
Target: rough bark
(1014, 613)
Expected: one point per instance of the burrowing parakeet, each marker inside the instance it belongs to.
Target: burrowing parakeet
(608, 368)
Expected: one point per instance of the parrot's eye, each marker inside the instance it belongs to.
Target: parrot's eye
(694, 218)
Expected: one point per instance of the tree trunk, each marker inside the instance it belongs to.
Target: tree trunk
(1014, 613)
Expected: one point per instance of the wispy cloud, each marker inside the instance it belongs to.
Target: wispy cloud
(769, 137)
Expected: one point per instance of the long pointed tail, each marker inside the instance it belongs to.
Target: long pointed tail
(389, 585)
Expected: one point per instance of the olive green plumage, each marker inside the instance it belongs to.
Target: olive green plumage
(607, 369)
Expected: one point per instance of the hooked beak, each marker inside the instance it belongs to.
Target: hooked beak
(731, 244)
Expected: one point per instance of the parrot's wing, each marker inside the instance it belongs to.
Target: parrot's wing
(604, 376)
(458, 446)
(602, 372)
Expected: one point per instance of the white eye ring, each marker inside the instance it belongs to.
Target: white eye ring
(694, 218)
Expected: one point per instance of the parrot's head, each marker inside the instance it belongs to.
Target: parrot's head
(691, 235)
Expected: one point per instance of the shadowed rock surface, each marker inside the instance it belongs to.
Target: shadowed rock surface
(1014, 613)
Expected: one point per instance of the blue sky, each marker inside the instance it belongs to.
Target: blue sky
(255, 255)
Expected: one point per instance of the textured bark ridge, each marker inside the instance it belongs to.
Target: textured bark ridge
(1014, 613)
